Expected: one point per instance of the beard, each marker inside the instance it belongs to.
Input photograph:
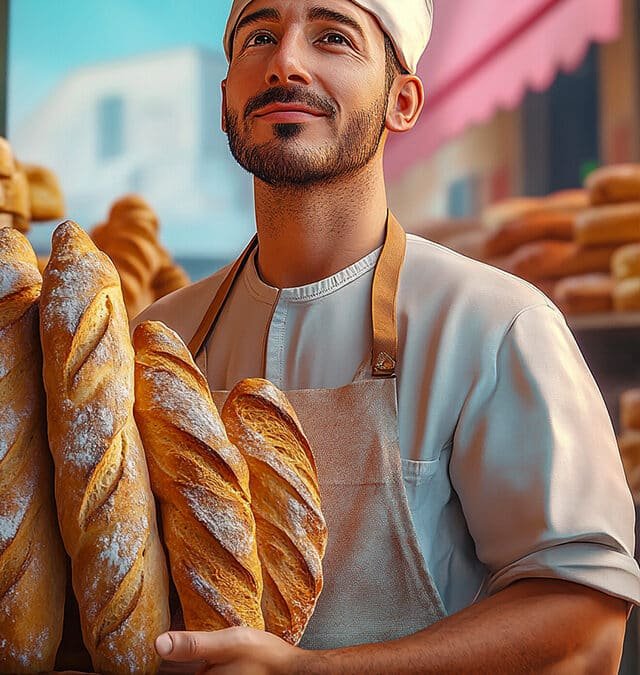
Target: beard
(288, 162)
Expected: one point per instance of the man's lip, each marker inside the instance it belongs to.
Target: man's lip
(288, 108)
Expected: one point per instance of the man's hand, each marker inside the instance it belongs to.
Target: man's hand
(233, 650)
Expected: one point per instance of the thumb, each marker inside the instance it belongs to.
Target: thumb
(181, 646)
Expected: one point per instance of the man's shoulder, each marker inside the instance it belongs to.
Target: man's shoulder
(182, 310)
(467, 284)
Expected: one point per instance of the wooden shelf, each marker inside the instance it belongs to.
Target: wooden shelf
(605, 321)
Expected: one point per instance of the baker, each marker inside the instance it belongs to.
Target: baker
(478, 512)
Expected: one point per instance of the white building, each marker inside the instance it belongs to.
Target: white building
(151, 125)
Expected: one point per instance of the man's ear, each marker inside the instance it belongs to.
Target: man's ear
(406, 100)
(223, 117)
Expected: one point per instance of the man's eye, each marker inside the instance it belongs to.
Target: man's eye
(260, 39)
(335, 39)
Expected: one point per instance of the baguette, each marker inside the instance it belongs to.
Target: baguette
(616, 224)
(202, 482)
(630, 409)
(130, 239)
(32, 562)
(558, 259)
(584, 294)
(625, 262)
(45, 196)
(291, 530)
(614, 184)
(105, 505)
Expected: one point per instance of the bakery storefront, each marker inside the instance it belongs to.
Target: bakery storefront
(527, 157)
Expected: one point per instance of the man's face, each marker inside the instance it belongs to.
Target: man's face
(305, 95)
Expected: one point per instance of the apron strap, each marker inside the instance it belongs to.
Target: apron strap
(383, 301)
(212, 314)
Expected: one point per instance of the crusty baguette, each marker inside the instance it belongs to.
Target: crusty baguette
(170, 277)
(625, 262)
(615, 224)
(530, 227)
(105, 505)
(32, 562)
(130, 239)
(584, 294)
(626, 295)
(558, 259)
(45, 196)
(202, 482)
(614, 184)
(285, 498)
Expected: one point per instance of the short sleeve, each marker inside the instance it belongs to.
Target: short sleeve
(537, 469)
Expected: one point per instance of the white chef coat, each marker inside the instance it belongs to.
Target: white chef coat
(509, 458)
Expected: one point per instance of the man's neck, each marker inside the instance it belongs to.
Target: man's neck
(308, 234)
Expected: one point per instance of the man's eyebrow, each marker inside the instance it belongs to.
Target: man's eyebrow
(325, 14)
(266, 14)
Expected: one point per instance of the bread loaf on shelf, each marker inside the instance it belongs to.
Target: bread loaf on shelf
(32, 562)
(603, 225)
(202, 482)
(584, 294)
(130, 238)
(630, 409)
(45, 196)
(535, 226)
(626, 295)
(104, 501)
(292, 533)
(614, 184)
(558, 259)
(625, 262)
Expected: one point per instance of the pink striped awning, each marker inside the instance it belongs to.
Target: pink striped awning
(485, 54)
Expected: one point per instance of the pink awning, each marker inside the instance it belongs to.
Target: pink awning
(484, 55)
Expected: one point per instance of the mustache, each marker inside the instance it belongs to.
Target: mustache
(294, 94)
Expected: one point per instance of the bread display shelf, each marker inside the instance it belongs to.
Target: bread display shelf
(604, 321)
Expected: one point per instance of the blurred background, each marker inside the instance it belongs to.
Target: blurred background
(527, 101)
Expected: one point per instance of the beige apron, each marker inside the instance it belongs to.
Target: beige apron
(376, 583)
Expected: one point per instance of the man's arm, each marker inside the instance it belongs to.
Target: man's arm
(532, 626)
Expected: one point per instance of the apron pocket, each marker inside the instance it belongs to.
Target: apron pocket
(418, 471)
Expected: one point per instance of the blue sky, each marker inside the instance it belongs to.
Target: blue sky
(48, 38)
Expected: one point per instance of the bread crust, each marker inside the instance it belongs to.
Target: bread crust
(614, 184)
(32, 562)
(104, 500)
(291, 531)
(202, 482)
(603, 225)
(584, 294)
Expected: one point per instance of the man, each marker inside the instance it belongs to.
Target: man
(514, 554)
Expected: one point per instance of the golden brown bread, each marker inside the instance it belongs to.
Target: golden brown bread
(567, 200)
(614, 184)
(504, 211)
(535, 226)
(32, 562)
(45, 196)
(626, 295)
(584, 294)
(558, 259)
(170, 277)
(105, 505)
(14, 195)
(292, 533)
(630, 409)
(601, 225)
(130, 239)
(625, 262)
(629, 445)
(202, 482)
(7, 163)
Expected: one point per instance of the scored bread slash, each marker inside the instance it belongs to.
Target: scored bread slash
(202, 483)
(32, 563)
(105, 505)
(291, 530)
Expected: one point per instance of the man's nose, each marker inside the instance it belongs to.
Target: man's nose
(287, 63)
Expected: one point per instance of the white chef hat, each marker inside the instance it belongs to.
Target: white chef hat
(406, 22)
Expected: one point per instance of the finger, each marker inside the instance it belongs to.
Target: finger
(184, 646)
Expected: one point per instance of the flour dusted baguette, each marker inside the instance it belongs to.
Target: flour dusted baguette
(202, 482)
(292, 534)
(105, 505)
(32, 563)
